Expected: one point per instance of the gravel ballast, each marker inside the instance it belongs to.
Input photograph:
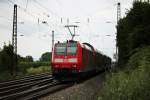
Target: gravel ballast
(86, 90)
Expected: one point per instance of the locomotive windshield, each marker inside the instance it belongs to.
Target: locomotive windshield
(60, 49)
(72, 48)
(66, 49)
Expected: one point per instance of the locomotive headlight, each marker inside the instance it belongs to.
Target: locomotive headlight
(58, 60)
(56, 66)
(72, 60)
(74, 66)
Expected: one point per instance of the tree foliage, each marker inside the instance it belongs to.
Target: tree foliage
(6, 57)
(29, 59)
(46, 56)
(133, 31)
(130, 84)
(25, 59)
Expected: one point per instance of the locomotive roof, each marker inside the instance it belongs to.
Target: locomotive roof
(68, 41)
(84, 45)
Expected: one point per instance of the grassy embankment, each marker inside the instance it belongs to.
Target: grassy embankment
(27, 68)
(130, 84)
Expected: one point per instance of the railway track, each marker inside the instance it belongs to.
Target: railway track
(25, 79)
(33, 87)
(29, 87)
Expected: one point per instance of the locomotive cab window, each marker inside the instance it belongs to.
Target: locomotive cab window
(71, 49)
(60, 49)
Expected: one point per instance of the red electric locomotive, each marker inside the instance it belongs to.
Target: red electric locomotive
(73, 58)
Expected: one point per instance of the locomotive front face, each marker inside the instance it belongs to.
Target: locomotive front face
(65, 57)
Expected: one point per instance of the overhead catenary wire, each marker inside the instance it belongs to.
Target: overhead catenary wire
(22, 9)
(44, 13)
(48, 15)
(38, 18)
(31, 14)
(48, 10)
(26, 11)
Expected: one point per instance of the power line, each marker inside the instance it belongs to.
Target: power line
(43, 12)
(25, 10)
(48, 10)
(42, 6)
(31, 14)
(11, 1)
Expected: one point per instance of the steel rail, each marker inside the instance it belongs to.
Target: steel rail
(26, 76)
(17, 95)
(22, 84)
(25, 87)
(36, 95)
(23, 80)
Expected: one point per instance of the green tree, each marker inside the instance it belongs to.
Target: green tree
(20, 58)
(46, 56)
(25, 59)
(6, 57)
(29, 58)
(133, 31)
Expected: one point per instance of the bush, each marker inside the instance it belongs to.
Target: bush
(37, 70)
(5, 75)
(33, 64)
(139, 58)
(23, 66)
(6, 55)
(134, 85)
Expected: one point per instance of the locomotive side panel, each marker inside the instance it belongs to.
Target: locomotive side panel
(87, 60)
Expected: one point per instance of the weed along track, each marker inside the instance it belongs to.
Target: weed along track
(30, 87)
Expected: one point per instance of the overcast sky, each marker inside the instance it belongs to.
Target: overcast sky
(37, 36)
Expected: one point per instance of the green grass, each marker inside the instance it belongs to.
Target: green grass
(33, 64)
(26, 68)
(130, 84)
(37, 70)
(5, 75)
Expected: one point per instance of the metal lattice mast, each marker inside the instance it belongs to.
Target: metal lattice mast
(14, 40)
(52, 39)
(118, 18)
(118, 12)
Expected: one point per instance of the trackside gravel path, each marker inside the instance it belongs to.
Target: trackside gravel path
(83, 91)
